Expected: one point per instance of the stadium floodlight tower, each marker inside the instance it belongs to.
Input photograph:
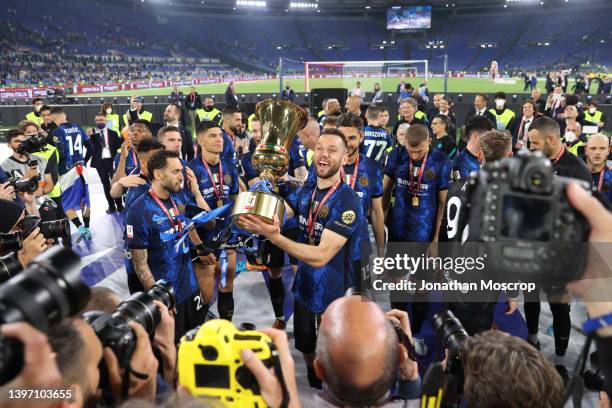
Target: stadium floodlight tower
(344, 74)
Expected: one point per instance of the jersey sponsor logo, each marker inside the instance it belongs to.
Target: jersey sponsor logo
(130, 231)
(363, 181)
(348, 217)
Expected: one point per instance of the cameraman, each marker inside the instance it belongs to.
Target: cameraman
(33, 245)
(359, 358)
(78, 353)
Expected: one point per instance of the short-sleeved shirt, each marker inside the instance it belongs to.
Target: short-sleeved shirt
(70, 140)
(569, 165)
(464, 164)
(133, 193)
(316, 288)
(446, 145)
(207, 188)
(376, 140)
(145, 222)
(229, 153)
(409, 223)
(606, 184)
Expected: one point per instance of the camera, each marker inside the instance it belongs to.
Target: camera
(10, 242)
(47, 291)
(9, 266)
(114, 331)
(31, 145)
(209, 362)
(49, 229)
(451, 334)
(22, 185)
(527, 227)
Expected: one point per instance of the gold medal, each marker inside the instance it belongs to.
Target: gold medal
(415, 201)
(219, 203)
(310, 241)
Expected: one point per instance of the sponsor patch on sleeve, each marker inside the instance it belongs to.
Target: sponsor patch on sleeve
(129, 231)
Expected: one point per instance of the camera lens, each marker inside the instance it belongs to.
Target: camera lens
(9, 266)
(536, 179)
(450, 331)
(141, 309)
(55, 229)
(10, 242)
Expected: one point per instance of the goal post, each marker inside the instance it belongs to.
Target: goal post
(345, 74)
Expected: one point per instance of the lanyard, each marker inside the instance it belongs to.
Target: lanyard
(560, 154)
(311, 218)
(219, 193)
(601, 178)
(354, 176)
(170, 215)
(134, 158)
(413, 190)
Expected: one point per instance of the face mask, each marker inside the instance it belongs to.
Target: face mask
(208, 108)
(499, 103)
(287, 88)
(37, 108)
(101, 125)
(592, 110)
(570, 137)
(109, 111)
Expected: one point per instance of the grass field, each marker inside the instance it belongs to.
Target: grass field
(388, 84)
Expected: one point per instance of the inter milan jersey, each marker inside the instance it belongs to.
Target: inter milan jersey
(247, 165)
(446, 145)
(229, 153)
(134, 193)
(410, 222)
(145, 222)
(368, 183)
(70, 140)
(229, 184)
(464, 164)
(605, 188)
(131, 162)
(375, 142)
(316, 288)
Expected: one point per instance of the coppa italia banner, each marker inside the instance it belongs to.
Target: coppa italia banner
(20, 93)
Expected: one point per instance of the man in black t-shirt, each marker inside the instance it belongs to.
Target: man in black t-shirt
(545, 135)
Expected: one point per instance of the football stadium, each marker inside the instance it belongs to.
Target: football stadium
(321, 203)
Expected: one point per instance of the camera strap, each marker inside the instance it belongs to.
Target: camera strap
(575, 386)
(278, 370)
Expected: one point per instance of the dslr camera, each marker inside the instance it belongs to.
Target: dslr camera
(31, 145)
(49, 229)
(526, 225)
(22, 185)
(209, 362)
(49, 290)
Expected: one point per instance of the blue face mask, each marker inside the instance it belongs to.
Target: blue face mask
(101, 125)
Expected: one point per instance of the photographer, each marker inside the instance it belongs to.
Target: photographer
(359, 357)
(136, 112)
(33, 245)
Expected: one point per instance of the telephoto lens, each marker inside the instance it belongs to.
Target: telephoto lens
(451, 334)
(10, 242)
(9, 266)
(47, 291)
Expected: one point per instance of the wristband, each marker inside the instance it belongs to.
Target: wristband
(597, 323)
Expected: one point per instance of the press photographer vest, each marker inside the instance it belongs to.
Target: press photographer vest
(594, 118)
(45, 156)
(37, 119)
(145, 115)
(203, 115)
(114, 119)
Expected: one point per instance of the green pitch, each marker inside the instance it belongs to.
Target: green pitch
(367, 84)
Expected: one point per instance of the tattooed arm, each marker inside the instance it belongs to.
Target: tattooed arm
(139, 258)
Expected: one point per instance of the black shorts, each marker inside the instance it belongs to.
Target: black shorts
(305, 328)
(292, 235)
(134, 284)
(189, 314)
(274, 255)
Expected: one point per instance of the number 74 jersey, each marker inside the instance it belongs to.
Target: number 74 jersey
(69, 140)
(376, 140)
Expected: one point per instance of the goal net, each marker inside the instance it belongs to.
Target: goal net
(346, 74)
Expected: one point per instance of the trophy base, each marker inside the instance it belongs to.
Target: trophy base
(260, 204)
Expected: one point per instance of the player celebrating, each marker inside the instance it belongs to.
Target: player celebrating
(217, 179)
(70, 140)
(420, 176)
(376, 139)
(597, 149)
(154, 213)
(329, 215)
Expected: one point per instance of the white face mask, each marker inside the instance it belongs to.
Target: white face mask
(592, 110)
(570, 137)
(109, 111)
(499, 103)
(37, 108)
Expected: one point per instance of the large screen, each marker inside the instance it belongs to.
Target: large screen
(409, 18)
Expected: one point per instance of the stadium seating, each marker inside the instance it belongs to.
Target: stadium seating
(38, 38)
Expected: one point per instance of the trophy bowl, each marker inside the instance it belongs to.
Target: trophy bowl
(280, 121)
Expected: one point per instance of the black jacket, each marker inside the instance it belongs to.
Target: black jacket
(230, 99)
(288, 95)
(187, 146)
(97, 144)
(516, 129)
(486, 114)
(193, 102)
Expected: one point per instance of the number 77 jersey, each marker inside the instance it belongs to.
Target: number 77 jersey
(376, 140)
(69, 140)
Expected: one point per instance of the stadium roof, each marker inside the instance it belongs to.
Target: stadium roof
(355, 7)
